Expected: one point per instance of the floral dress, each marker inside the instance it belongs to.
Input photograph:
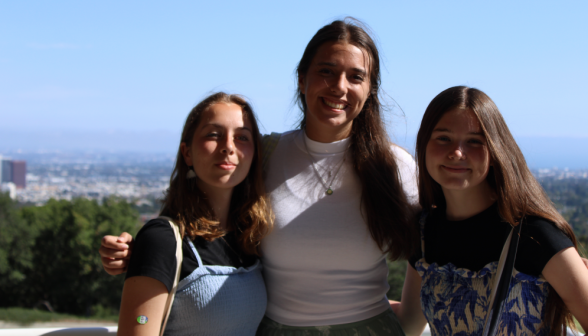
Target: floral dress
(455, 300)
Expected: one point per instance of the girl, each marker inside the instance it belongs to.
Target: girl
(216, 197)
(339, 190)
(474, 185)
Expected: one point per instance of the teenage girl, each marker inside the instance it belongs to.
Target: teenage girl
(339, 190)
(217, 199)
(474, 186)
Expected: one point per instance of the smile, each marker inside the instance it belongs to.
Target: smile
(337, 106)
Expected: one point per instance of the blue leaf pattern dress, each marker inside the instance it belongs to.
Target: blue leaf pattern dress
(455, 300)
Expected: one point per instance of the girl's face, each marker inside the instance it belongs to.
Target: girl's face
(335, 87)
(457, 155)
(222, 148)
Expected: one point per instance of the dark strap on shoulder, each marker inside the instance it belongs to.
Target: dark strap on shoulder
(503, 276)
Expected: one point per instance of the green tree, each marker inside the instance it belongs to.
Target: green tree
(66, 269)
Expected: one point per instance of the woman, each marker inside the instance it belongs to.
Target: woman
(217, 199)
(339, 190)
(475, 185)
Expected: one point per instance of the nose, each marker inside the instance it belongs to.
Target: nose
(340, 85)
(228, 145)
(457, 153)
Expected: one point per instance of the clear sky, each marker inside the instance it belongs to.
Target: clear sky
(140, 66)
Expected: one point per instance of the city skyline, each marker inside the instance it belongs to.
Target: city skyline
(77, 74)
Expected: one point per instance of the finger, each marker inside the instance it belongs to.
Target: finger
(125, 238)
(114, 263)
(112, 242)
(112, 253)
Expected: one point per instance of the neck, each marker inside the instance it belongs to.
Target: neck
(219, 200)
(463, 204)
(327, 134)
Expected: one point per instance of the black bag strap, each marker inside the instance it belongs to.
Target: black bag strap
(502, 281)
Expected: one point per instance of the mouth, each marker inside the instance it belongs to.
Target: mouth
(456, 169)
(226, 165)
(334, 105)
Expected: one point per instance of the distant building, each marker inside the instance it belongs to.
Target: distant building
(6, 171)
(12, 171)
(19, 173)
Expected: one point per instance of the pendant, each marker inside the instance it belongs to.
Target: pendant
(329, 192)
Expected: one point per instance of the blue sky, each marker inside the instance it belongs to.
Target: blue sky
(138, 67)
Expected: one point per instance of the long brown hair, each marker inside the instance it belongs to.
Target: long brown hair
(384, 203)
(249, 212)
(518, 192)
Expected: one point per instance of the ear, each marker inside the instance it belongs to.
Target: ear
(301, 84)
(186, 153)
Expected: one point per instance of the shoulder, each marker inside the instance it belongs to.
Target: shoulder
(402, 155)
(545, 233)
(155, 230)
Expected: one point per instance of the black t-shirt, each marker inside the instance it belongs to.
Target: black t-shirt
(474, 242)
(154, 253)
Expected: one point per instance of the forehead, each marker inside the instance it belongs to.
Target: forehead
(227, 115)
(342, 53)
(459, 120)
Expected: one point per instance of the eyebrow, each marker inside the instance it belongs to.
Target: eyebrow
(450, 131)
(239, 128)
(332, 64)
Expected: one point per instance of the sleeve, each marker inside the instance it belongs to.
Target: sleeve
(408, 173)
(540, 241)
(154, 253)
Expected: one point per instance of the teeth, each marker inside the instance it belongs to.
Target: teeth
(333, 105)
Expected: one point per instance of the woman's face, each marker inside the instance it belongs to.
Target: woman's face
(222, 148)
(335, 88)
(457, 155)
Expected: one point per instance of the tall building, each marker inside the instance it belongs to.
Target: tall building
(12, 171)
(19, 173)
(6, 170)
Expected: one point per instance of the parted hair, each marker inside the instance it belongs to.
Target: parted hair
(517, 191)
(188, 206)
(385, 206)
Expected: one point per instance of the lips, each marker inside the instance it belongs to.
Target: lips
(226, 165)
(335, 105)
(456, 169)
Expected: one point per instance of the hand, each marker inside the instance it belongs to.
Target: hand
(115, 253)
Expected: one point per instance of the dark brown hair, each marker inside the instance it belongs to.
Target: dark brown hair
(249, 212)
(517, 191)
(384, 204)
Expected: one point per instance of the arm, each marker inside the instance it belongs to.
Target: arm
(568, 275)
(409, 311)
(142, 296)
(115, 253)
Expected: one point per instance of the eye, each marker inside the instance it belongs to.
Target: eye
(476, 141)
(443, 138)
(324, 71)
(213, 135)
(358, 78)
(242, 137)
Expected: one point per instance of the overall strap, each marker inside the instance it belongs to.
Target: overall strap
(179, 257)
(268, 144)
(195, 253)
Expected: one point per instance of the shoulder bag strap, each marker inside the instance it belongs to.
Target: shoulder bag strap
(502, 281)
(179, 257)
(268, 144)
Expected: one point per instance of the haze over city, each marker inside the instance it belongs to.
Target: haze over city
(116, 77)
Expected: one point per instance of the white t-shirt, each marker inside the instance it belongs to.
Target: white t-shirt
(321, 265)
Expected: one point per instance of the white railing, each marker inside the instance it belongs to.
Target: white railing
(59, 331)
